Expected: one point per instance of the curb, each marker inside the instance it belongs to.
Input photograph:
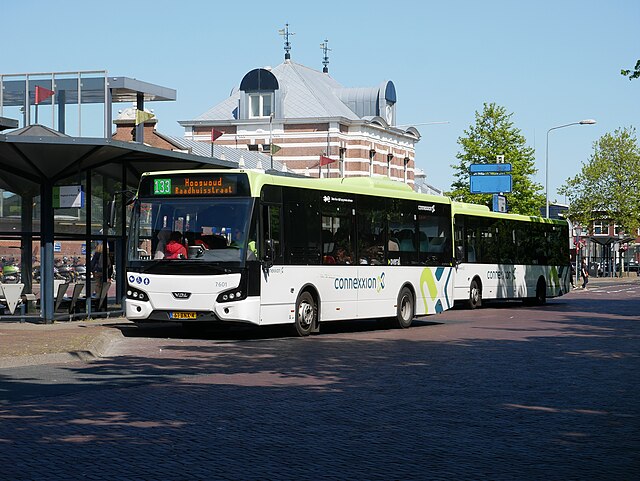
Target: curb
(98, 347)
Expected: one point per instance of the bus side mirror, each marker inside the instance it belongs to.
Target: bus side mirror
(112, 213)
(267, 258)
(459, 255)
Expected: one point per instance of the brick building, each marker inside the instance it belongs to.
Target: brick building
(308, 114)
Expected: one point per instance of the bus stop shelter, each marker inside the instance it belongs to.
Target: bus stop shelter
(60, 188)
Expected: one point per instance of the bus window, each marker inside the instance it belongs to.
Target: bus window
(302, 230)
(402, 246)
(460, 239)
(434, 235)
(271, 233)
(337, 230)
(371, 230)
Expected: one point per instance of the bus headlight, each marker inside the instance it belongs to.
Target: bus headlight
(137, 294)
(234, 294)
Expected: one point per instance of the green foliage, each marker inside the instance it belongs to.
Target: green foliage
(635, 73)
(608, 186)
(494, 134)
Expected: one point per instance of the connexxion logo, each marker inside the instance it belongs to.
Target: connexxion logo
(376, 283)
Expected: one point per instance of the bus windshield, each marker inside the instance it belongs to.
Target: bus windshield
(203, 230)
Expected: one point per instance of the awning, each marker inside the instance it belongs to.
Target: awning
(26, 160)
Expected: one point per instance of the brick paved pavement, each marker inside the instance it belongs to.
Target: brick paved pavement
(502, 393)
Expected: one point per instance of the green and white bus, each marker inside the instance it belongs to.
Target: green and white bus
(508, 256)
(269, 249)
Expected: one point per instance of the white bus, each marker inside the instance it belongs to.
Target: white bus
(267, 249)
(508, 256)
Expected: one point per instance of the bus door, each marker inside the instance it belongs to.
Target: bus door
(274, 286)
(375, 286)
(339, 293)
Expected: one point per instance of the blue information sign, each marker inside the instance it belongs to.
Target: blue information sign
(490, 184)
(482, 168)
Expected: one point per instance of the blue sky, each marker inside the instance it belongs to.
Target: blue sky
(549, 62)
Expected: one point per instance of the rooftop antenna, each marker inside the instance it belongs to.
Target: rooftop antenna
(287, 45)
(325, 60)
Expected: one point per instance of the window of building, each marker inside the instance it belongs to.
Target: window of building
(598, 228)
(406, 168)
(260, 105)
(372, 154)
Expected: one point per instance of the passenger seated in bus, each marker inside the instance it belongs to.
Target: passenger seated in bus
(175, 249)
(342, 257)
(163, 238)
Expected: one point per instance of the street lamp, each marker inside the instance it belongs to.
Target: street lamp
(546, 164)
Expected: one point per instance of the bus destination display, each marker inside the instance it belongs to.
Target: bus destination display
(196, 185)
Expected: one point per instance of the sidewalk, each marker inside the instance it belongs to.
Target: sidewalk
(593, 281)
(24, 344)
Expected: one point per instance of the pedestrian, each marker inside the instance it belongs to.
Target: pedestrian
(96, 266)
(584, 271)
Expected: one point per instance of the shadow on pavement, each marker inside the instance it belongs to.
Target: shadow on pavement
(562, 405)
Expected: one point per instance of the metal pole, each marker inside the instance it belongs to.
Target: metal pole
(27, 105)
(546, 187)
(53, 101)
(79, 104)
(546, 175)
(271, 139)
(107, 108)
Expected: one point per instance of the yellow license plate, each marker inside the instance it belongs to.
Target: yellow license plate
(183, 315)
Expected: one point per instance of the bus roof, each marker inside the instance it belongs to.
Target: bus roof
(357, 185)
(484, 211)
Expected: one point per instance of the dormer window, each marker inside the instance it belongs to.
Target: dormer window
(260, 105)
(259, 87)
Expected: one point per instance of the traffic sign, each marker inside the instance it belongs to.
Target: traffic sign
(486, 168)
(499, 203)
(490, 184)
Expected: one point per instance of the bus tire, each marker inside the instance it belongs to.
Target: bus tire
(541, 293)
(475, 294)
(406, 309)
(306, 314)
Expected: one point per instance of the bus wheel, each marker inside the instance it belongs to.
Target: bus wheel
(406, 308)
(306, 314)
(541, 293)
(475, 295)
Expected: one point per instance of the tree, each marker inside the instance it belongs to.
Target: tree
(494, 134)
(635, 73)
(608, 186)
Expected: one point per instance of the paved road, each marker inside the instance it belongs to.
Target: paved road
(506, 392)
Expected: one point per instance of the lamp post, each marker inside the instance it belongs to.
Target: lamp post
(546, 163)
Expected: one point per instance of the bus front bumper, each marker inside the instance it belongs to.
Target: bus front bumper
(247, 310)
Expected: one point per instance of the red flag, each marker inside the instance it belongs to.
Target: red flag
(215, 134)
(324, 160)
(42, 94)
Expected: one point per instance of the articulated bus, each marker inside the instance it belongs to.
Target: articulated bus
(264, 249)
(508, 256)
